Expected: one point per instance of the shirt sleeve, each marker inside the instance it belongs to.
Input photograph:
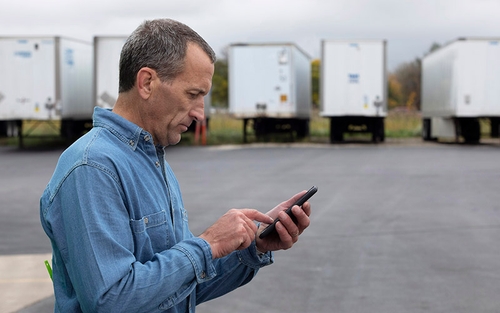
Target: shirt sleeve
(90, 226)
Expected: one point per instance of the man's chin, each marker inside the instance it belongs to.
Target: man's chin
(174, 141)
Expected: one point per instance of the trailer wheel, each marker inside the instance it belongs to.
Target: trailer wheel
(382, 131)
(14, 128)
(378, 130)
(3, 128)
(470, 130)
(426, 129)
(495, 127)
(8, 128)
(302, 128)
(336, 130)
(259, 128)
(71, 130)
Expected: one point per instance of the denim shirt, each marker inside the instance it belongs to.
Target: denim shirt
(114, 214)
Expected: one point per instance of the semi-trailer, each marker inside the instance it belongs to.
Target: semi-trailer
(460, 86)
(353, 88)
(45, 79)
(270, 85)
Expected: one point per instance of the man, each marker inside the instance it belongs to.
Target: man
(113, 209)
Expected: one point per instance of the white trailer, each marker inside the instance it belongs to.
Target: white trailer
(460, 85)
(354, 87)
(45, 79)
(270, 84)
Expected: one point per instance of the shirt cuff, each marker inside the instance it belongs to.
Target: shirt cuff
(251, 258)
(199, 253)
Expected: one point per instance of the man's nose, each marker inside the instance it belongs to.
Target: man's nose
(198, 113)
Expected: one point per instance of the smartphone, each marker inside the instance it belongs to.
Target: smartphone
(272, 227)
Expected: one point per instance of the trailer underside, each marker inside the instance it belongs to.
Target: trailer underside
(357, 124)
(468, 128)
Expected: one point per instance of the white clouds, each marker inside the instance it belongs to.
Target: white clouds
(410, 26)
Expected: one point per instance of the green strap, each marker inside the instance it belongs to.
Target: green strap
(49, 269)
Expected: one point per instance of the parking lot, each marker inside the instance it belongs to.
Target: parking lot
(396, 227)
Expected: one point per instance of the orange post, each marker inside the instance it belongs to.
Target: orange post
(200, 130)
(197, 133)
(204, 132)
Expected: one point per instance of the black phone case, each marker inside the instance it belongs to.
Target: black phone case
(272, 227)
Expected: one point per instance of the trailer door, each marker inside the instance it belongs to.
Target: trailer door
(353, 78)
(492, 97)
(27, 78)
(260, 80)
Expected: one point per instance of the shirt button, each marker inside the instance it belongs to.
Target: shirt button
(157, 164)
(131, 142)
(146, 220)
(203, 275)
(147, 137)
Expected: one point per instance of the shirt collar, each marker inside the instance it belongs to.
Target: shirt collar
(126, 131)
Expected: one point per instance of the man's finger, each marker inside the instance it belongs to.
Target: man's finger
(258, 216)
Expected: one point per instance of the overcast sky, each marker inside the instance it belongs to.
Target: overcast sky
(409, 26)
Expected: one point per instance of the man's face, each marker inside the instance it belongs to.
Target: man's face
(176, 103)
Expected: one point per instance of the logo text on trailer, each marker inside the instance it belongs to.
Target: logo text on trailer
(353, 78)
(23, 54)
(68, 54)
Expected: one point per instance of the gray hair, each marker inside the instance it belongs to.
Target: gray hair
(159, 44)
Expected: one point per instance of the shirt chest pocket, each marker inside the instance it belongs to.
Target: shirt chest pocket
(150, 235)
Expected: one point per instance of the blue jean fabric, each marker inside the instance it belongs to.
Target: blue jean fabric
(119, 231)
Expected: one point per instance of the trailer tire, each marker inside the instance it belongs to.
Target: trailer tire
(71, 130)
(3, 128)
(302, 128)
(14, 128)
(470, 130)
(259, 127)
(336, 130)
(67, 131)
(494, 127)
(382, 131)
(378, 130)
(8, 129)
(426, 129)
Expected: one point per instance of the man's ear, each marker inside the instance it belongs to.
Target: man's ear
(144, 82)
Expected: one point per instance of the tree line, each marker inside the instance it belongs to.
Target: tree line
(403, 83)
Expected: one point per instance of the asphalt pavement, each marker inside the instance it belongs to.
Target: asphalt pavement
(402, 226)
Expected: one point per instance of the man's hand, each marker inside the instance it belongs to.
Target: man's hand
(235, 230)
(287, 232)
